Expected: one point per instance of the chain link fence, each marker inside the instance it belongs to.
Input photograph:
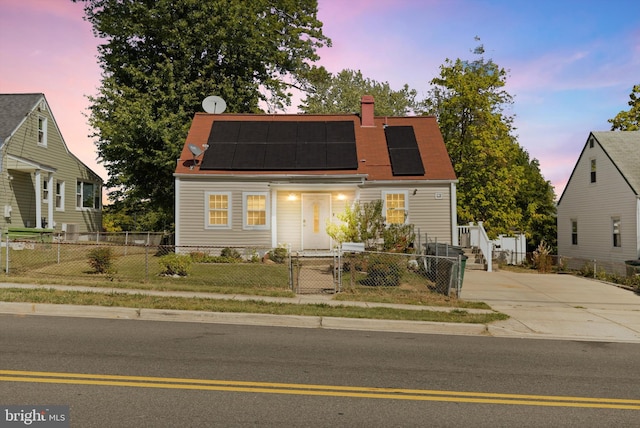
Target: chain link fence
(141, 259)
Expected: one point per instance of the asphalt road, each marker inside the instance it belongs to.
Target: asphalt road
(122, 373)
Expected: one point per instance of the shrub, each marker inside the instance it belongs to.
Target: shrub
(175, 264)
(542, 258)
(230, 253)
(399, 238)
(278, 255)
(383, 271)
(101, 260)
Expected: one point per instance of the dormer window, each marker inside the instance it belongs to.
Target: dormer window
(42, 131)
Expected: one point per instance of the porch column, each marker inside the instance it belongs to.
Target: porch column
(274, 218)
(38, 200)
(50, 199)
(455, 235)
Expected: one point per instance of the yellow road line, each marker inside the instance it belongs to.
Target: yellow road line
(316, 390)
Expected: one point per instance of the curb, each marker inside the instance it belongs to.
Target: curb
(332, 323)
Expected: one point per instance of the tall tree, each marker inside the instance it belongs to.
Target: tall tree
(161, 58)
(341, 93)
(496, 177)
(629, 120)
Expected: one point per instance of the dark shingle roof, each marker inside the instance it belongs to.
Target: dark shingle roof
(13, 108)
(623, 148)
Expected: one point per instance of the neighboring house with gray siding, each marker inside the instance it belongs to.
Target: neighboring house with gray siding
(42, 184)
(599, 210)
(261, 181)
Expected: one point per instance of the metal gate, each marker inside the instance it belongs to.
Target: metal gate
(314, 274)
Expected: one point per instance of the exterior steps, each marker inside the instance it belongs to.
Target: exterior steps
(475, 259)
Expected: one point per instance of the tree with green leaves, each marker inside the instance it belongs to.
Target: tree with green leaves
(497, 181)
(161, 58)
(629, 120)
(341, 93)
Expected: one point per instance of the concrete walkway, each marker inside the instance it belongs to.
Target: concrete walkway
(556, 306)
(540, 306)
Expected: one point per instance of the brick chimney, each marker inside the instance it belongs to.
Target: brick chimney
(366, 113)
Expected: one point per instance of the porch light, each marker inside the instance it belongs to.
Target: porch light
(341, 196)
(292, 197)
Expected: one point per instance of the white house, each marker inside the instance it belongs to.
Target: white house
(599, 210)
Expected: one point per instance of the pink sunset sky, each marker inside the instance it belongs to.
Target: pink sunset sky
(572, 64)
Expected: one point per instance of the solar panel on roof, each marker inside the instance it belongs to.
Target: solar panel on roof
(403, 150)
(249, 156)
(312, 132)
(281, 145)
(311, 156)
(224, 132)
(340, 132)
(218, 156)
(280, 156)
(341, 156)
(253, 132)
(282, 132)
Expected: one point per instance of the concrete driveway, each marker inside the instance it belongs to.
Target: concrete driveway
(556, 306)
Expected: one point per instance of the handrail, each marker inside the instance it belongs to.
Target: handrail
(478, 238)
(486, 246)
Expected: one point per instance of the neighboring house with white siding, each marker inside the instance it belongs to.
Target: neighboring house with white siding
(42, 184)
(246, 180)
(599, 210)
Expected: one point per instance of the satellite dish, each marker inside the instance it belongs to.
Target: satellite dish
(214, 104)
(195, 150)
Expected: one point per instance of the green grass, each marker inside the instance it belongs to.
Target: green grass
(251, 306)
(138, 268)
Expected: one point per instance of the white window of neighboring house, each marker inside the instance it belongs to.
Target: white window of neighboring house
(42, 131)
(395, 206)
(574, 232)
(45, 190)
(87, 195)
(255, 209)
(218, 210)
(617, 238)
(60, 195)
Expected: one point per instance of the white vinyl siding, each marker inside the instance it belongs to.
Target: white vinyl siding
(594, 206)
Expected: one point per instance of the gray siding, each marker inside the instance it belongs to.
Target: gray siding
(594, 205)
(430, 214)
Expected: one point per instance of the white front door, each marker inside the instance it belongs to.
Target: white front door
(316, 210)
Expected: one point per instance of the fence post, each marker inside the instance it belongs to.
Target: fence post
(7, 261)
(58, 249)
(146, 263)
(595, 269)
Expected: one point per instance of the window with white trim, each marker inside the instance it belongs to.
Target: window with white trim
(395, 206)
(218, 210)
(45, 190)
(593, 171)
(87, 195)
(60, 195)
(42, 131)
(255, 209)
(574, 232)
(617, 238)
